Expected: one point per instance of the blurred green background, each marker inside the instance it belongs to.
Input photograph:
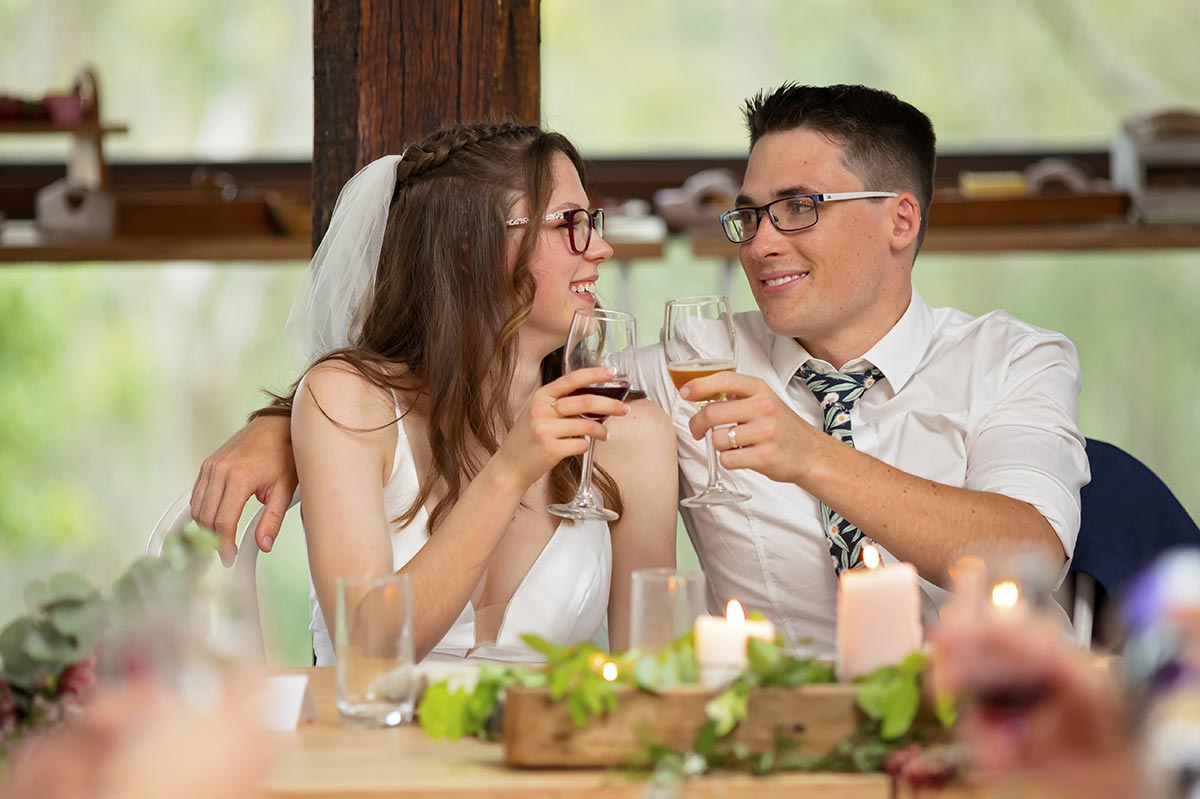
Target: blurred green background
(116, 380)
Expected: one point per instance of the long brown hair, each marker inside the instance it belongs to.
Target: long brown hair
(446, 309)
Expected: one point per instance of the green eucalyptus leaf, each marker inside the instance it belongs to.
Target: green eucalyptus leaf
(686, 660)
(442, 712)
(70, 587)
(900, 708)
(46, 645)
(577, 710)
(647, 675)
(764, 657)
(728, 708)
(560, 680)
(543, 647)
(202, 543)
(871, 698)
(706, 740)
(913, 664)
(670, 668)
(532, 679)
(78, 620)
(12, 646)
(37, 595)
(945, 708)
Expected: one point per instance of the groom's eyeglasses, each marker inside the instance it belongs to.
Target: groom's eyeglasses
(787, 214)
(578, 222)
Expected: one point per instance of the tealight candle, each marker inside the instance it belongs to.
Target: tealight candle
(879, 615)
(721, 643)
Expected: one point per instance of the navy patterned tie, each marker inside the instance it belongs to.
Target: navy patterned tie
(837, 394)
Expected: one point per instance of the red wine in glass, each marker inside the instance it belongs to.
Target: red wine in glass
(613, 389)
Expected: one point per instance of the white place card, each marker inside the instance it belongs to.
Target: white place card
(286, 702)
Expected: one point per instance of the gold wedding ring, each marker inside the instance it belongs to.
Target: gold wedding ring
(733, 438)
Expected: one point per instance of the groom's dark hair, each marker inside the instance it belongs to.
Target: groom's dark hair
(889, 144)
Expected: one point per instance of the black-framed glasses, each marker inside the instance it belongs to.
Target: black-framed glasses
(579, 224)
(787, 214)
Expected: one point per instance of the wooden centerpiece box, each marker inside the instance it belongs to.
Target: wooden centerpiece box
(539, 732)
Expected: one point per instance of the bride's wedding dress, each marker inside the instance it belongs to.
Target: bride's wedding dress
(562, 598)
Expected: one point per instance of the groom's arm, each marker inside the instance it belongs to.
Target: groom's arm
(1025, 465)
(257, 461)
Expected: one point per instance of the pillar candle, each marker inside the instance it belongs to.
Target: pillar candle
(721, 643)
(879, 616)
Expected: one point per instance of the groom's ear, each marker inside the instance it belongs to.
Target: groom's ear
(905, 221)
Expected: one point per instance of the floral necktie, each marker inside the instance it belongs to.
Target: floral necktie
(837, 394)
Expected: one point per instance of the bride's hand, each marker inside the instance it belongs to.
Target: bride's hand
(551, 426)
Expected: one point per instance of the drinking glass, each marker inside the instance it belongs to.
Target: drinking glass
(698, 341)
(598, 337)
(664, 605)
(374, 635)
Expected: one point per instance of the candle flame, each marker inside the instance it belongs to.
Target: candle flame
(1005, 594)
(609, 672)
(734, 613)
(870, 556)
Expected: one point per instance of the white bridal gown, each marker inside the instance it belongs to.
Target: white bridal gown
(562, 598)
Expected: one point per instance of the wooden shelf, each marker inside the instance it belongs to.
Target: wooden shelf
(1022, 238)
(44, 128)
(22, 242)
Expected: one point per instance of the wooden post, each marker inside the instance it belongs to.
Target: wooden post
(387, 72)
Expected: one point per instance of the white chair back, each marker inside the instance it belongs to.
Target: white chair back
(177, 516)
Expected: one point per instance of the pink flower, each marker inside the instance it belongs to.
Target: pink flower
(46, 710)
(78, 679)
(8, 708)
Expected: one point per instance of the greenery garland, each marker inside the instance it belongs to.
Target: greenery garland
(48, 656)
(885, 741)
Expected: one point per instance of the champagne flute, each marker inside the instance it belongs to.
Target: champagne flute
(698, 341)
(598, 337)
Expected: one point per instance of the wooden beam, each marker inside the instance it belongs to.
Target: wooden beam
(386, 72)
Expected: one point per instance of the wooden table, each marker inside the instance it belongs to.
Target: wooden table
(325, 759)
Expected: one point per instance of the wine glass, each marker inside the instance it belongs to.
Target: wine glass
(598, 337)
(698, 341)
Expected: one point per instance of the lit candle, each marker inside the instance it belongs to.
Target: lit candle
(721, 643)
(879, 615)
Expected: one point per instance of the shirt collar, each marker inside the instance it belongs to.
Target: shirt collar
(897, 354)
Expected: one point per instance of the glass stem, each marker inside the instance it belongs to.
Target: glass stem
(584, 493)
(714, 479)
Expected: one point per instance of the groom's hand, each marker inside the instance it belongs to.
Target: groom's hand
(770, 438)
(256, 462)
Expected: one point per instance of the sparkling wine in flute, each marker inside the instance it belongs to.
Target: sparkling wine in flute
(613, 389)
(699, 340)
(683, 372)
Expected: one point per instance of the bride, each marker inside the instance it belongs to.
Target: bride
(434, 426)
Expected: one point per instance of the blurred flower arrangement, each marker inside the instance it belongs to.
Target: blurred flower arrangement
(49, 657)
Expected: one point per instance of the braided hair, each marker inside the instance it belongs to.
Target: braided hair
(443, 319)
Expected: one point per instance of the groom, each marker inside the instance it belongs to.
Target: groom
(857, 411)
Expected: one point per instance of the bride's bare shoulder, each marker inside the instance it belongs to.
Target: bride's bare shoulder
(352, 396)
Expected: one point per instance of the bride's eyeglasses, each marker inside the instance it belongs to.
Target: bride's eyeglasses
(579, 224)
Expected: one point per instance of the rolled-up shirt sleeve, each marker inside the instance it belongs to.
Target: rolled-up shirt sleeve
(1027, 446)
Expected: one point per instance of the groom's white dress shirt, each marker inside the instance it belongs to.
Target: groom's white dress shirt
(987, 403)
